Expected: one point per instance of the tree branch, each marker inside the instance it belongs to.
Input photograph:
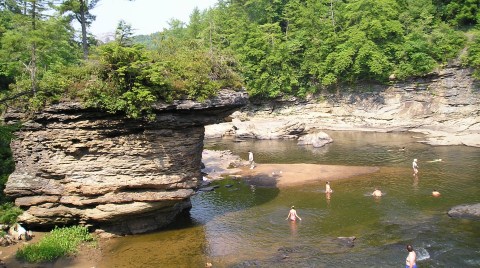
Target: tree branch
(29, 92)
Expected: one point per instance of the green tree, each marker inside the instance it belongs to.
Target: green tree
(473, 56)
(370, 29)
(33, 46)
(459, 12)
(7, 164)
(124, 33)
(80, 10)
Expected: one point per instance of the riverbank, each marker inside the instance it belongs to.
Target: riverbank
(443, 106)
(88, 255)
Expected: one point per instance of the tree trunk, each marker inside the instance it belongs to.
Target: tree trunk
(33, 61)
(83, 23)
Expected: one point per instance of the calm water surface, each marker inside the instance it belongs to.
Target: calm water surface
(241, 225)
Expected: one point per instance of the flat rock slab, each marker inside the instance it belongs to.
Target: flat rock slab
(284, 175)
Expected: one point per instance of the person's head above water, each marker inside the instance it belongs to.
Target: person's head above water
(409, 248)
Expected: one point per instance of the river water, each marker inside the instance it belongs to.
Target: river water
(241, 225)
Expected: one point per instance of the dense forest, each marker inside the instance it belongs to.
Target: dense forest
(272, 48)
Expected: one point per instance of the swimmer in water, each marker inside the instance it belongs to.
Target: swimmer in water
(377, 193)
(292, 214)
(435, 193)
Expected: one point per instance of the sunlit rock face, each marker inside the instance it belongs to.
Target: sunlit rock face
(82, 166)
(444, 105)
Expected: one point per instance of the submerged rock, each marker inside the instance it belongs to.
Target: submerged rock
(471, 211)
(346, 241)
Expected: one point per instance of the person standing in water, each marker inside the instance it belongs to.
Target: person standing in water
(415, 167)
(292, 214)
(411, 261)
(328, 190)
(250, 159)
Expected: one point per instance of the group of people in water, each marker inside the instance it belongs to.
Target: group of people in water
(410, 261)
(378, 193)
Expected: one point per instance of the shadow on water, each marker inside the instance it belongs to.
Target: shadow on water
(232, 195)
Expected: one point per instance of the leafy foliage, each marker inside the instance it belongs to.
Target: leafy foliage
(274, 48)
(301, 47)
(473, 56)
(58, 243)
(9, 213)
(130, 78)
(459, 12)
(7, 164)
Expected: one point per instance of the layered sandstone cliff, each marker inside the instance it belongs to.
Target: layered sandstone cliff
(82, 166)
(444, 105)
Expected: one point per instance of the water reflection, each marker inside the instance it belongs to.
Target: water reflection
(415, 182)
(293, 228)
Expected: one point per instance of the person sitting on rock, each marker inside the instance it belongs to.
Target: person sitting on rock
(21, 232)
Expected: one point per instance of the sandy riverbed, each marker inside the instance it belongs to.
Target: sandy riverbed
(285, 175)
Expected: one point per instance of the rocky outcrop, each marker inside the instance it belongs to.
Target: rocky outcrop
(81, 166)
(443, 105)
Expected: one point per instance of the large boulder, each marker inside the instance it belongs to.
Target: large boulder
(269, 129)
(317, 140)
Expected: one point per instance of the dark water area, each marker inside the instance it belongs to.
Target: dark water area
(241, 225)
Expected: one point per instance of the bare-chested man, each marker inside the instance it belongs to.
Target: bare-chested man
(411, 261)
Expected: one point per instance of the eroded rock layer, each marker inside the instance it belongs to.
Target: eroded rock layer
(77, 165)
(444, 105)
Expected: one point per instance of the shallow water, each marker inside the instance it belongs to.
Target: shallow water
(241, 225)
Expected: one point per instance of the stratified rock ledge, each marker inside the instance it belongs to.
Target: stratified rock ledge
(81, 166)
